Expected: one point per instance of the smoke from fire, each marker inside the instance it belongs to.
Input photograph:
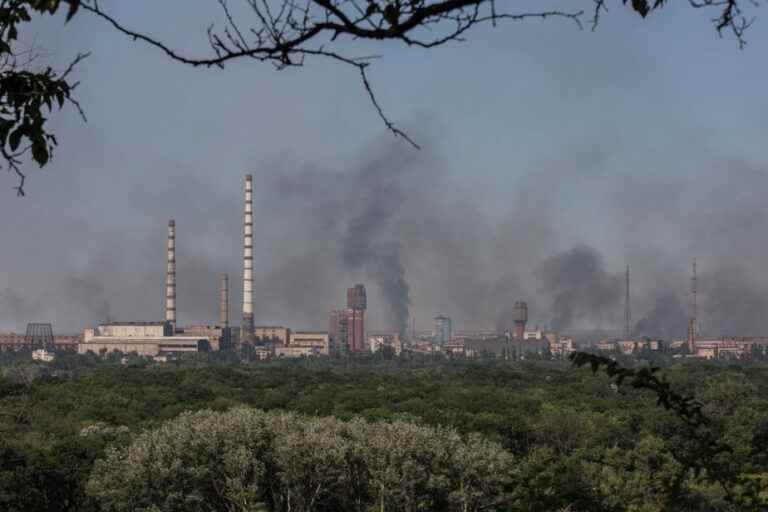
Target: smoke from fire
(427, 239)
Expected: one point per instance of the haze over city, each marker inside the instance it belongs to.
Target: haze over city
(383, 255)
(537, 180)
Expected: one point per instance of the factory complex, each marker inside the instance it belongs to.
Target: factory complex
(347, 333)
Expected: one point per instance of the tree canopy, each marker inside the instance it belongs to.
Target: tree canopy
(559, 438)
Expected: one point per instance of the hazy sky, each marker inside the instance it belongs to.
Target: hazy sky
(544, 146)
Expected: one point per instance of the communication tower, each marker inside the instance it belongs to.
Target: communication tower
(627, 311)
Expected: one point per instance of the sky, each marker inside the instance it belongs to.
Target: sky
(552, 157)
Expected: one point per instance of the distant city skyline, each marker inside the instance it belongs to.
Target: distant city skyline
(642, 141)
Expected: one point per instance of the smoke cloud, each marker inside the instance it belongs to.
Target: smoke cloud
(14, 305)
(666, 320)
(425, 242)
(614, 153)
(582, 291)
(368, 243)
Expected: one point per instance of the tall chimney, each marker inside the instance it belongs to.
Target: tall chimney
(224, 301)
(247, 326)
(170, 276)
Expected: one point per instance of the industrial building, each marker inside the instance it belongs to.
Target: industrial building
(218, 337)
(508, 345)
(43, 355)
(278, 335)
(143, 338)
(628, 347)
(289, 352)
(484, 334)
(742, 347)
(159, 339)
(505, 349)
(443, 330)
(318, 341)
(386, 342)
(520, 317)
(14, 342)
(338, 326)
(346, 327)
(357, 303)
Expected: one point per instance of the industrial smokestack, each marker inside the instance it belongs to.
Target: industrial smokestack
(520, 317)
(224, 301)
(247, 326)
(170, 276)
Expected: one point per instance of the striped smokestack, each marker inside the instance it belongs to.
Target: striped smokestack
(224, 301)
(170, 275)
(247, 326)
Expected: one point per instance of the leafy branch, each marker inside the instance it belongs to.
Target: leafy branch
(27, 95)
(702, 456)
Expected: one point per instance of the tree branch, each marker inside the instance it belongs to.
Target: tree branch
(285, 32)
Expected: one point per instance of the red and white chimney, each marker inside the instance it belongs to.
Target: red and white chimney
(247, 326)
(170, 276)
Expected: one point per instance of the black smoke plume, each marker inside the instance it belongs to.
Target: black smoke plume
(582, 292)
(427, 237)
(666, 320)
(368, 244)
(15, 308)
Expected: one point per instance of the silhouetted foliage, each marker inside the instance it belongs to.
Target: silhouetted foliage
(27, 94)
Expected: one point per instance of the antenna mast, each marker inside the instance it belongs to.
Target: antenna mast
(627, 311)
(692, 321)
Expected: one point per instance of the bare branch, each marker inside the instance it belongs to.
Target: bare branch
(284, 32)
(284, 37)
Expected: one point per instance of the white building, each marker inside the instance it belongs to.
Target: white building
(296, 351)
(561, 347)
(319, 340)
(381, 342)
(143, 338)
(42, 355)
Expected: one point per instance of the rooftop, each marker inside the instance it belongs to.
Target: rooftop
(132, 323)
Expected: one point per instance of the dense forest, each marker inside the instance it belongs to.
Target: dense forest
(212, 433)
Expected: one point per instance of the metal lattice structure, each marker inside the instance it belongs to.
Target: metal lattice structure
(39, 336)
(627, 310)
(693, 327)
